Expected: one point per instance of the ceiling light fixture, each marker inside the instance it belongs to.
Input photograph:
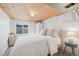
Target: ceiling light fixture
(32, 13)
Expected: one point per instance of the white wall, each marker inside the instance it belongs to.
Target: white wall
(13, 26)
(4, 30)
(32, 26)
(39, 27)
(58, 21)
(67, 22)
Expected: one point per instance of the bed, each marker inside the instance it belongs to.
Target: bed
(34, 45)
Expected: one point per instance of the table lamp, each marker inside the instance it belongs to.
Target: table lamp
(71, 36)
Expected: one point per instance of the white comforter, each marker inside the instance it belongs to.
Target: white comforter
(34, 46)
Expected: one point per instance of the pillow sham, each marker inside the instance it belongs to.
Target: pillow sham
(44, 32)
(51, 32)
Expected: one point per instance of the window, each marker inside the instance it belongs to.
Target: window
(20, 29)
(25, 29)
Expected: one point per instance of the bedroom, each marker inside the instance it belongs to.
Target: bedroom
(39, 29)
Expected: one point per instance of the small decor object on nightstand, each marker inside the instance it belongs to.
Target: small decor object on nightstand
(70, 41)
(11, 39)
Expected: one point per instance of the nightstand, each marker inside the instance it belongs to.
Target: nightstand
(72, 46)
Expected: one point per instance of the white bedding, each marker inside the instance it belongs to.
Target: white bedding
(34, 46)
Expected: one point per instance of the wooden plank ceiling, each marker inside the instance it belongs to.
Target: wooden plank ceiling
(29, 11)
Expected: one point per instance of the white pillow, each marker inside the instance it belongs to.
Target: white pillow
(54, 33)
(44, 32)
(51, 32)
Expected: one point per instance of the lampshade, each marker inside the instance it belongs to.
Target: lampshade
(71, 34)
(11, 33)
